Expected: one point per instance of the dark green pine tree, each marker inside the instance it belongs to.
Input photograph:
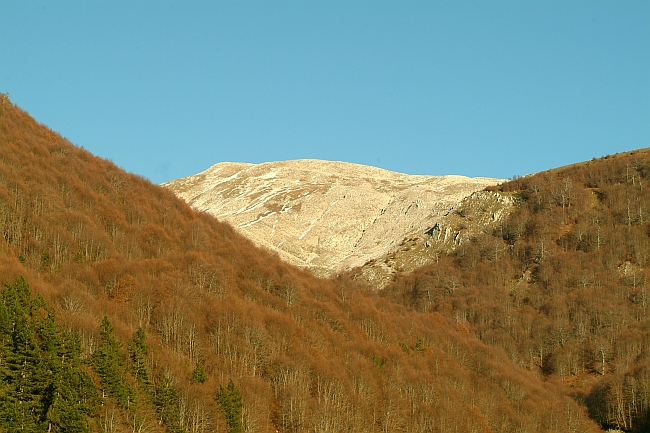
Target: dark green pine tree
(71, 396)
(21, 408)
(66, 411)
(88, 396)
(166, 403)
(199, 375)
(108, 362)
(17, 297)
(138, 356)
(6, 350)
(230, 401)
(42, 387)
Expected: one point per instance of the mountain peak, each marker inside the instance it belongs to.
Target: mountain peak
(328, 216)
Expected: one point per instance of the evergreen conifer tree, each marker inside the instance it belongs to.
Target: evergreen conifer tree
(42, 387)
(166, 402)
(23, 373)
(230, 400)
(109, 365)
(199, 375)
(138, 356)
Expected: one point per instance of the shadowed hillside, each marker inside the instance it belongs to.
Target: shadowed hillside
(561, 284)
(184, 326)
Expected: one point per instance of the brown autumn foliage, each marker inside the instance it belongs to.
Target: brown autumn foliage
(307, 354)
(561, 286)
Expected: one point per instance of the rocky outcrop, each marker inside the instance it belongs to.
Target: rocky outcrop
(327, 216)
(477, 213)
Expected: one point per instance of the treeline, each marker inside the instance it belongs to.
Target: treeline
(206, 333)
(561, 285)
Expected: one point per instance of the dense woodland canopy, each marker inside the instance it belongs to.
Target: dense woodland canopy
(561, 285)
(182, 325)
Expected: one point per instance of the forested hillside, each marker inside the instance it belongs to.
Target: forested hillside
(184, 326)
(561, 285)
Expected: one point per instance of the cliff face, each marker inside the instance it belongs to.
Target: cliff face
(327, 216)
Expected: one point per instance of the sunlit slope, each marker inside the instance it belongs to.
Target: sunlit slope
(306, 354)
(561, 283)
(327, 216)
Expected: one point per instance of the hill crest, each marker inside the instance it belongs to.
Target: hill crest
(328, 216)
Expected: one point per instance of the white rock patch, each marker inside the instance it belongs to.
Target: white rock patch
(328, 216)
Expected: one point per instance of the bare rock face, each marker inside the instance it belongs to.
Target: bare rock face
(327, 216)
(476, 214)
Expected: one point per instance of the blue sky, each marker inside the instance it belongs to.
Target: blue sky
(480, 88)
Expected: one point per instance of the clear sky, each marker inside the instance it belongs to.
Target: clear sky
(165, 89)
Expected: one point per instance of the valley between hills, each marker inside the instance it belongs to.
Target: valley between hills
(515, 306)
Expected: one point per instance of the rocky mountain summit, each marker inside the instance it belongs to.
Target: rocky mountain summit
(327, 216)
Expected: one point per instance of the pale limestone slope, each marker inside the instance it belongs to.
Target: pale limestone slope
(328, 216)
